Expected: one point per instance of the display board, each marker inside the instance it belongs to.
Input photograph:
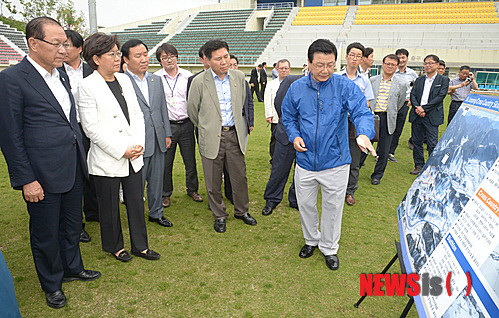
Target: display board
(449, 218)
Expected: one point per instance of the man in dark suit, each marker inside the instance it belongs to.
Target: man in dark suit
(263, 79)
(427, 111)
(77, 70)
(43, 147)
(284, 155)
(255, 82)
(150, 95)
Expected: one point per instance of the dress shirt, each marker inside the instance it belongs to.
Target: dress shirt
(142, 84)
(270, 92)
(362, 81)
(460, 94)
(382, 99)
(275, 73)
(55, 85)
(75, 77)
(175, 92)
(223, 92)
(427, 87)
(409, 76)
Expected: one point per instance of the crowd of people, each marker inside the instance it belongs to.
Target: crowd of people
(83, 118)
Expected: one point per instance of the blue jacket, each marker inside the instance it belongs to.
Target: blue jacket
(318, 113)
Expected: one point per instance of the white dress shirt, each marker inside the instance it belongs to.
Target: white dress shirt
(426, 91)
(270, 92)
(55, 85)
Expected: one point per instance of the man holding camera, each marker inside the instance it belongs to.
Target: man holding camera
(459, 88)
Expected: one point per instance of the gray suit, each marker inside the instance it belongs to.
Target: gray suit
(388, 119)
(157, 124)
(217, 146)
(395, 98)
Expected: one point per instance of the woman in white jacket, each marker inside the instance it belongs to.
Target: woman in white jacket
(111, 118)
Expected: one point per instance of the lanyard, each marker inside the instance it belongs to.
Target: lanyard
(174, 84)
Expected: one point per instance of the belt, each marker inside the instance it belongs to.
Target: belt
(227, 128)
(457, 101)
(179, 121)
(380, 113)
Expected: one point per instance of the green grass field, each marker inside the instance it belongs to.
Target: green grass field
(249, 271)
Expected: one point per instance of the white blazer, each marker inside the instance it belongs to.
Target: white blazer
(106, 126)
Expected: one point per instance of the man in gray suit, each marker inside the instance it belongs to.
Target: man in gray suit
(389, 94)
(215, 106)
(149, 90)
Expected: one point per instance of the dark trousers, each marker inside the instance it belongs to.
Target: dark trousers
(230, 155)
(355, 153)
(383, 147)
(284, 155)
(256, 89)
(401, 117)
(272, 140)
(262, 89)
(453, 108)
(227, 186)
(183, 135)
(421, 127)
(89, 194)
(109, 211)
(54, 228)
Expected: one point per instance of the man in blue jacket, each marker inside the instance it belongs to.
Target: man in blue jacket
(314, 113)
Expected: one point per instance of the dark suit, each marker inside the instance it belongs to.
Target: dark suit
(256, 85)
(284, 155)
(40, 144)
(263, 81)
(89, 193)
(434, 117)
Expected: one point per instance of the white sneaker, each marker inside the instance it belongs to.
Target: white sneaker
(392, 158)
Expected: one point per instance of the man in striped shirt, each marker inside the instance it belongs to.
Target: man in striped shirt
(389, 93)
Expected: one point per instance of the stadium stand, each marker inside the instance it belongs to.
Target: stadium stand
(148, 33)
(428, 13)
(320, 15)
(488, 80)
(230, 26)
(8, 55)
(15, 36)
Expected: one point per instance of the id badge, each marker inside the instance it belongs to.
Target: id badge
(172, 101)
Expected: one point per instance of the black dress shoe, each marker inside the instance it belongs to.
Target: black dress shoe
(56, 299)
(84, 236)
(219, 225)
(149, 255)
(294, 206)
(247, 218)
(267, 210)
(124, 257)
(307, 251)
(85, 275)
(332, 262)
(161, 221)
(375, 181)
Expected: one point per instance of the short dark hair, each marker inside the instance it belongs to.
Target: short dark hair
(356, 45)
(464, 67)
(368, 51)
(323, 46)
(201, 51)
(442, 62)
(392, 57)
(433, 57)
(125, 49)
(402, 51)
(165, 48)
(97, 44)
(264, 64)
(75, 38)
(34, 28)
(259, 65)
(275, 64)
(232, 56)
(213, 45)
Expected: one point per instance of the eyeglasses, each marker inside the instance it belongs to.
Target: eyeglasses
(114, 55)
(353, 56)
(57, 45)
(284, 68)
(429, 63)
(322, 65)
(168, 57)
(390, 64)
